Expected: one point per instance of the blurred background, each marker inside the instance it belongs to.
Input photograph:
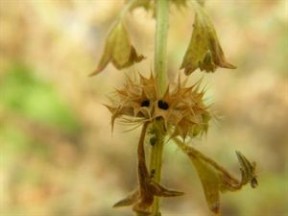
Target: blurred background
(58, 155)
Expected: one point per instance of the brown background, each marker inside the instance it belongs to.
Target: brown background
(58, 156)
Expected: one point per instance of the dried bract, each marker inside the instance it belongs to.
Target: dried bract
(118, 50)
(204, 51)
(187, 113)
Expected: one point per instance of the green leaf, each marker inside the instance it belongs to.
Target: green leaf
(23, 93)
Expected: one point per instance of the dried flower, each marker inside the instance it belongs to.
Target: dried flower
(204, 50)
(118, 50)
(182, 109)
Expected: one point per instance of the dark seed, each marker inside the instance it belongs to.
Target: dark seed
(153, 140)
(145, 103)
(163, 105)
(254, 182)
(152, 173)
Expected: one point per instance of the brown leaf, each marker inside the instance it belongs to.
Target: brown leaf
(247, 170)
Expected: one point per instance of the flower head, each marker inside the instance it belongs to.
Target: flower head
(182, 108)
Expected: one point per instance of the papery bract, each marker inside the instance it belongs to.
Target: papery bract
(204, 51)
(118, 50)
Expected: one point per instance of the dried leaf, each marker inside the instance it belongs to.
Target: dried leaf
(204, 51)
(216, 179)
(118, 50)
(210, 182)
(247, 170)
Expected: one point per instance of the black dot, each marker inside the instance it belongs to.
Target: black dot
(152, 173)
(254, 182)
(153, 140)
(163, 105)
(145, 103)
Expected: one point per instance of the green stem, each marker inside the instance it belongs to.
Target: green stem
(160, 60)
(162, 22)
(158, 133)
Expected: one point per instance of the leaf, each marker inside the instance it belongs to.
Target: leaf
(247, 170)
(216, 179)
(210, 183)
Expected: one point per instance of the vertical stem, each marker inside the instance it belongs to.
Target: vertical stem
(160, 60)
(162, 22)
(156, 160)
